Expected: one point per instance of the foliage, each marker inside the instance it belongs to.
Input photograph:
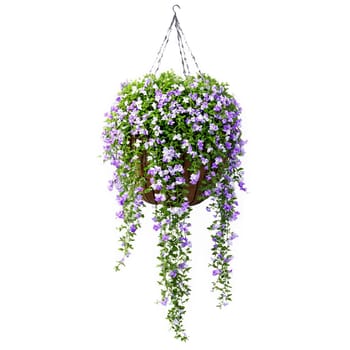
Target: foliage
(168, 119)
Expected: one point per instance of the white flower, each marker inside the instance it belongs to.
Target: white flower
(157, 130)
(194, 178)
(185, 143)
(163, 173)
(200, 118)
(138, 103)
(177, 137)
(134, 89)
(174, 210)
(168, 154)
(177, 168)
(138, 143)
(199, 101)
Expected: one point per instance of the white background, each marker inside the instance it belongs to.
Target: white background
(287, 63)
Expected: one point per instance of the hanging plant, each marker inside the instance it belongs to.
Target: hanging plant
(175, 141)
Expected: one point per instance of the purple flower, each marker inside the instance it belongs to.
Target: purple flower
(218, 160)
(217, 108)
(227, 207)
(168, 154)
(184, 227)
(110, 185)
(182, 266)
(124, 84)
(200, 145)
(152, 171)
(164, 301)
(177, 168)
(228, 259)
(196, 127)
(185, 242)
(171, 186)
(241, 185)
(191, 152)
(173, 274)
(185, 206)
(165, 238)
(132, 228)
(156, 227)
(216, 272)
(235, 215)
(159, 197)
(207, 193)
(233, 236)
(180, 180)
(158, 95)
(157, 186)
(122, 199)
(120, 214)
(117, 163)
(193, 96)
(227, 129)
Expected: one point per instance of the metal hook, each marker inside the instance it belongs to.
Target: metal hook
(174, 8)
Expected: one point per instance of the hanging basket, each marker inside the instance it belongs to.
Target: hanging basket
(194, 193)
(174, 141)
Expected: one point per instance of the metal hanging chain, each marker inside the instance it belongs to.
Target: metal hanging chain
(179, 29)
(184, 61)
(182, 43)
(162, 49)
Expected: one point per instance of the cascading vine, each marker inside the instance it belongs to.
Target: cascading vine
(175, 250)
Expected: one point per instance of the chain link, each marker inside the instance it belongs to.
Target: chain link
(183, 46)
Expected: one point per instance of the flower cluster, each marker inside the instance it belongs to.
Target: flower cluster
(162, 135)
